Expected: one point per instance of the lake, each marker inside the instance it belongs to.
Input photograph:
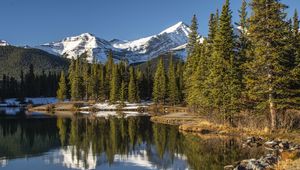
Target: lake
(35, 141)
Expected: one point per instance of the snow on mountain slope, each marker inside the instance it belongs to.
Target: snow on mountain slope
(76, 46)
(4, 43)
(133, 51)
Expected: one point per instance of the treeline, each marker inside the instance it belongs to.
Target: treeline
(13, 60)
(255, 71)
(110, 81)
(29, 85)
(119, 82)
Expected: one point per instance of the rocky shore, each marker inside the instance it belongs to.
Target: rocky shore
(280, 150)
(282, 154)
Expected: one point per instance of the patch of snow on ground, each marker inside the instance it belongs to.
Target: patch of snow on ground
(106, 114)
(105, 106)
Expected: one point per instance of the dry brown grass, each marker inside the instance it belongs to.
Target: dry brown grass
(290, 161)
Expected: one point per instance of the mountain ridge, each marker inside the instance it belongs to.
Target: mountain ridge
(133, 51)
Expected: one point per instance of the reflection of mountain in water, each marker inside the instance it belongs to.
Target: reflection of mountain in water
(117, 143)
(3, 162)
(138, 158)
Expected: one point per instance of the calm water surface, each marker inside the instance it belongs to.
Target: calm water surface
(34, 141)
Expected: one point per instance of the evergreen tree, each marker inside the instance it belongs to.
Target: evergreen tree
(191, 63)
(266, 76)
(159, 85)
(101, 89)
(243, 42)
(30, 83)
(114, 85)
(108, 73)
(224, 76)
(62, 90)
(296, 36)
(86, 76)
(139, 80)
(193, 36)
(179, 78)
(123, 92)
(173, 94)
(22, 86)
(197, 95)
(94, 81)
(132, 87)
(149, 81)
(77, 83)
(213, 26)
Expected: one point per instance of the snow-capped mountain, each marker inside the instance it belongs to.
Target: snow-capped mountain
(4, 43)
(139, 50)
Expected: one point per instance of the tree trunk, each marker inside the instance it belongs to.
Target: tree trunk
(273, 113)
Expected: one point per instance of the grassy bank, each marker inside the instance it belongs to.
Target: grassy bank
(201, 126)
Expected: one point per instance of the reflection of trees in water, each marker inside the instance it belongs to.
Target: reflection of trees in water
(20, 137)
(109, 136)
(100, 141)
(164, 143)
(214, 153)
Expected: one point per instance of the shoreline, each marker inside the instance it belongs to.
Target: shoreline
(199, 126)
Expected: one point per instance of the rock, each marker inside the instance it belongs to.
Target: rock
(228, 167)
(240, 167)
(254, 142)
(269, 159)
(250, 140)
(284, 145)
(271, 145)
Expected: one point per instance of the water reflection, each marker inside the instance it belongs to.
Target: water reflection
(116, 143)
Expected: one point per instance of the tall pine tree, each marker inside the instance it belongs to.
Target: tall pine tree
(62, 89)
(223, 78)
(132, 87)
(267, 76)
(173, 93)
(114, 85)
(160, 83)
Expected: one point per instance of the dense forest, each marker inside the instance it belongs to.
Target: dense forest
(13, 60)
(121, 82)
(252, 66)
(29, 84)
(256, 71)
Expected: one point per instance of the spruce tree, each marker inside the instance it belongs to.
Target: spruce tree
(159, 85)
(296, 36)
(191, 62)
(179, 79)
(22, 86)
(86, 79)
(243, 26)
(224, 77)
(213, 26)
(101, 88)
(197, 96)
(108, 73)
(193, 36)
(139, 80)
(132, 87)
(77, 88)
(114, 85)
(62, 89)
(123, 92)
(267, 72)
(173, 93)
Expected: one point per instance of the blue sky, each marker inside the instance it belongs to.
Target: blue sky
(32, 22)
